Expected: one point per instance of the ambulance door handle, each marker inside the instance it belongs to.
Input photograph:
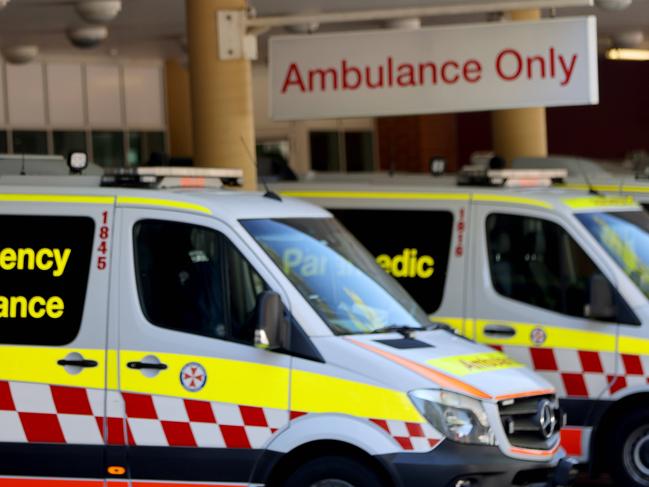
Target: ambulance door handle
(74, 362)
(77, 363)
(500, 330)
(145, 365)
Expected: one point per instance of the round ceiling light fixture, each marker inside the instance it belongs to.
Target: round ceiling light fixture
(87, 36)
(98, 11)
(613, 4)
(3, 3)
(21, 54)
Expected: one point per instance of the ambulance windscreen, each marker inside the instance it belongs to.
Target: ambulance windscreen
(625, 237)
(336, 275)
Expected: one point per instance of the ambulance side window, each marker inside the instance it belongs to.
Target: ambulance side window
(192, 279)
(411, 246)
(44, 268)
(535, 261)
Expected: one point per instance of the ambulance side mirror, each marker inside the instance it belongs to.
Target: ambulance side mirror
(273, 330)
(601, 304)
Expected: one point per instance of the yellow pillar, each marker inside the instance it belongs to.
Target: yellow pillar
(221, 95)
(179, 112)
(522, 131)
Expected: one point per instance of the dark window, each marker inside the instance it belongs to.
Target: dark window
(325, 151)
(359, 151)
(645, 206)
(342, 151)
(29, 142)
(146, 148)
(44, 266)
(108, 148)
(66, 142)
(192, 279)
(3, 141)
(535, 261)
(412, 246)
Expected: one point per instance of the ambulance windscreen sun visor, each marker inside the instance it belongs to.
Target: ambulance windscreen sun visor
(336, 275)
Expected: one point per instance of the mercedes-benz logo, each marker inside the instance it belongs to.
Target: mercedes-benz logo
(546, 418)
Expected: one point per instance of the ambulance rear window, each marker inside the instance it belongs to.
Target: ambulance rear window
(44, 266)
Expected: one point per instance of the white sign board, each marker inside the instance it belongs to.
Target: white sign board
(434, 70)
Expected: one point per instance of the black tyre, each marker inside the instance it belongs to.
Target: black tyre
(631, 450)
(333, 471)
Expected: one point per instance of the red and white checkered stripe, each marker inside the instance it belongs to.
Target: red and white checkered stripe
(57, 414)
(584, 374)
(411, 436)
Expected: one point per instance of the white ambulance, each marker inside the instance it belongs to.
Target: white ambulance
(206, 337)
(588, 175)
(557, 279)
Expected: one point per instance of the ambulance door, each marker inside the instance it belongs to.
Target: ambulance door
(201, 401)
(55, 259)
(421, 243)
(531, 292)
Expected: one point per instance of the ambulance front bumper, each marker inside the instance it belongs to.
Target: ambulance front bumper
(455, 465)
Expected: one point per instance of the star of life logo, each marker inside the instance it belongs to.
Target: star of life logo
(193, 377)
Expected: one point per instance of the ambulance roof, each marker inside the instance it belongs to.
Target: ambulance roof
(414, 189)
(222, 203)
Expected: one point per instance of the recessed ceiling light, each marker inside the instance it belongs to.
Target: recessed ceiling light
(628, 54)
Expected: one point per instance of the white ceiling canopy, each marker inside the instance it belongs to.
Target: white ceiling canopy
(153, 27)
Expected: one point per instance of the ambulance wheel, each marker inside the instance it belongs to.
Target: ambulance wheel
(333, 471)
(631, 447)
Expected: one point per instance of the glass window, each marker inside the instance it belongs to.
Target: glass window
(197, 282)
(342, 151)
(3, 141)
(407, 251)
(535, 261)
(66, 142)
(625, 237)
(325, 151)
(146, 148)
(44, 264)
(135, 142)
(336, 275)
(359, 151)
(272, 160)
(29, 142)
(108, 148)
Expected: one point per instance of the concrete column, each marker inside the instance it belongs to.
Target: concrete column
(523, 131)
(221, 95)
(179, 110)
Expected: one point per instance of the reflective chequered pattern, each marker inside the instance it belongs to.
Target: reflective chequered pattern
(55, 414)
(584, 374)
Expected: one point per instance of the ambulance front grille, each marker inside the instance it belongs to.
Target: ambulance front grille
(531, 422)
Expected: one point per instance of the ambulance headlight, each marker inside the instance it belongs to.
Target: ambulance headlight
(459, 418)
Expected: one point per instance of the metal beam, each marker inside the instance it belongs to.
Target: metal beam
(399, 13)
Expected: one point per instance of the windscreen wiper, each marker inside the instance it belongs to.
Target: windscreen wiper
(405, 330)
(441, 326)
